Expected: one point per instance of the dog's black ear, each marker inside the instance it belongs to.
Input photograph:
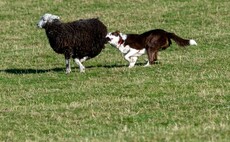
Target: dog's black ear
(117, 31)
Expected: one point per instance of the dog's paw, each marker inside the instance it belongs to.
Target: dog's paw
(147, 65)
(131, 66)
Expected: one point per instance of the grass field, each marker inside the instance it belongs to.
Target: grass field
(184, 98)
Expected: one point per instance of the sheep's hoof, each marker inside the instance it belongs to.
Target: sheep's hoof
(82, 70)
(68, 71)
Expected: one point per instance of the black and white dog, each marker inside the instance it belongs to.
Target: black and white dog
(135, 45)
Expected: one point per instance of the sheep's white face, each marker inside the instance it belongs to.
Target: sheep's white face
(47, 18)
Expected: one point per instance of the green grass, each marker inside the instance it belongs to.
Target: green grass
(184, 98)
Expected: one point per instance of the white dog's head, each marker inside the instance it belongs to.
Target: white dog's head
(47, 18)
(115, 38)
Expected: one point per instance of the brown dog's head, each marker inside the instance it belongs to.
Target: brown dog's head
(115, 38)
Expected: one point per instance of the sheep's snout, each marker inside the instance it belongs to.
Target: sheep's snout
(40, 24)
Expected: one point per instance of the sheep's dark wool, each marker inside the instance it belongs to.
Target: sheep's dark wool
(81, 40)
(78, 39)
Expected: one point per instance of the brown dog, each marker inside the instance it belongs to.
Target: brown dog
(151, 41)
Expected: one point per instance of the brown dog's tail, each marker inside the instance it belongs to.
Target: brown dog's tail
(180, 41)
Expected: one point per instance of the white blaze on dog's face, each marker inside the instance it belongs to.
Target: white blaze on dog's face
(117, 39)
(114, 38)
(46, 18)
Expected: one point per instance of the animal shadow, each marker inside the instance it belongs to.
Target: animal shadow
(106, 66)
(31, 71)
(40, 71)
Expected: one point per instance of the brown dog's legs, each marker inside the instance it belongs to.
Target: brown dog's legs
(152, 55)
(155, 56)
(149, 54)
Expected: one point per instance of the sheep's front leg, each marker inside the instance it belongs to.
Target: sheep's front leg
(68, 68)
(67, 62)
(78, 62)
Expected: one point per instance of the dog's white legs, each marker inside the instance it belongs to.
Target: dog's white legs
(127, 57)
(132, 61)
(130, 58)
(68, 69)
(78, 62)
(147, 64)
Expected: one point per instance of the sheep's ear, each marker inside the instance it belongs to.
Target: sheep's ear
(55, 17)
(52, 18)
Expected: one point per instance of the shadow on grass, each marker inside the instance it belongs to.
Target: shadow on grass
(31, 71)
(106, 66)
(39, 71)
(115, 65)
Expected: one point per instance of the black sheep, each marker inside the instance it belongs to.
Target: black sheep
(81, 39)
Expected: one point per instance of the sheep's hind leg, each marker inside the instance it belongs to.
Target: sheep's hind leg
(84, 59)
(68, 69)
(78, 62)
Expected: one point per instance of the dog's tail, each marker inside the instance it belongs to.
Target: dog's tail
(180, 41)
